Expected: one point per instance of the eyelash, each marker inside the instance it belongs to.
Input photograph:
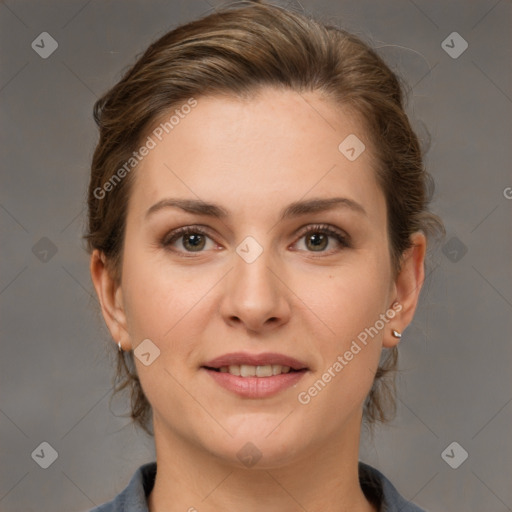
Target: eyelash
(171, 237)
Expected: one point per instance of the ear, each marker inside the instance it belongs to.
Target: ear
(407, 288)
(110, 296)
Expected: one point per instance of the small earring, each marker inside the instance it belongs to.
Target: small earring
(119, 346)
(396, 334)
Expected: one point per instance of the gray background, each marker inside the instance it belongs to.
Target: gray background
(55, 374)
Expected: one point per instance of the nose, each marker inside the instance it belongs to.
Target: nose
(255, 296)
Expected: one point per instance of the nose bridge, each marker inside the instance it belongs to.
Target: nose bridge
(254, 294)
(252, 275)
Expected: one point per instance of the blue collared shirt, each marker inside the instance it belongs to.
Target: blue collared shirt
(376, 487)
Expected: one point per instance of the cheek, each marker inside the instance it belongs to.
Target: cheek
(157, 296)
(346, 303)
(347, 299)
(173, 306)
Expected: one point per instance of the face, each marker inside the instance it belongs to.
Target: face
(288, 266)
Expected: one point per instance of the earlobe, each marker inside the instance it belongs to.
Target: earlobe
(110, 296)
(407, 288)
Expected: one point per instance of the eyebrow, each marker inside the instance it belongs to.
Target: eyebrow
(294, 209)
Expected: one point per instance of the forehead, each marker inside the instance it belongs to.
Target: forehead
(274, 148)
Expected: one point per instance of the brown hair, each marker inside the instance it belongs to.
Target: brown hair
(236, 52)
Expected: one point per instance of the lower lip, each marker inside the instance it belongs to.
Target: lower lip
(256, 387)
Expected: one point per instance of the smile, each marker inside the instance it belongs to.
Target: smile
(249, 385)
(246, 370)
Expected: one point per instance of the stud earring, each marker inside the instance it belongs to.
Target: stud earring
(396, 334)
(119, 346)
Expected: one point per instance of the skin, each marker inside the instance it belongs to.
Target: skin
(254, 158)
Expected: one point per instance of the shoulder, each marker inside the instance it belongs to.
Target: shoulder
(380, 491)
(133, 497)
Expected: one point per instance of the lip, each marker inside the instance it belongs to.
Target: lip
(266, 358)
(255, 387)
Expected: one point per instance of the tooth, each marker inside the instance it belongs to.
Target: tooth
(247, 371)
(264, 371)
(276, 369)
(234, 369)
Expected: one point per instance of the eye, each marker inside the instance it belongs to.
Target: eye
(317, 238)
(193, 239)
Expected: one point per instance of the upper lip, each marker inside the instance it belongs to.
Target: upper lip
(266, 358)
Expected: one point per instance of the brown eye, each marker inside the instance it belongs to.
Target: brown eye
(318, 238)
(193, 239)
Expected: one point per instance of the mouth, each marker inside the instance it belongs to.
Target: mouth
(244, 364)
(245, 370)
(255, 375)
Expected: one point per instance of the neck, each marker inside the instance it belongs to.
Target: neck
(325, 478)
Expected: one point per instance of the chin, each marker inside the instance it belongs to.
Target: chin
(260, 442)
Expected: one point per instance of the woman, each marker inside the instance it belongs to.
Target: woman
(258, 223)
